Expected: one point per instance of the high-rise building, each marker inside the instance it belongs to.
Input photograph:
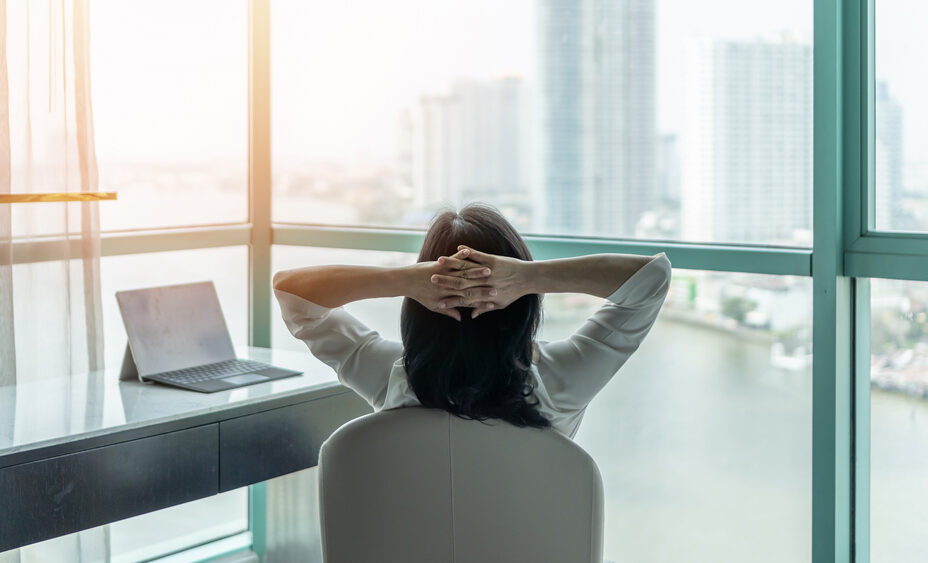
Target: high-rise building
(597, 94)
(747, 173)
(470, 144)
(889, 188)
(668, 170)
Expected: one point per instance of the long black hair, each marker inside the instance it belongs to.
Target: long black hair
(474, 368)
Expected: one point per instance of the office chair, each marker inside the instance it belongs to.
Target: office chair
(417, 485)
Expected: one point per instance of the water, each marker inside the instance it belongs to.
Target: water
(705, 452)
(899, 477)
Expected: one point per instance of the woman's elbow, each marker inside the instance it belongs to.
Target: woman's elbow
(280, 280)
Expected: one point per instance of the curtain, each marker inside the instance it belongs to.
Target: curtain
(50, 300)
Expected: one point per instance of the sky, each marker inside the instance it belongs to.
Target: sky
(901, 53)
(342, 72)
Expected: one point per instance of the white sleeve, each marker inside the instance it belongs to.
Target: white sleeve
(361, 358)
(575, 369)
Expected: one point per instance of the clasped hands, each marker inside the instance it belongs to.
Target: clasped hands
(470, 278)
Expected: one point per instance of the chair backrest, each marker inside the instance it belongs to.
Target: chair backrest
(422, 486)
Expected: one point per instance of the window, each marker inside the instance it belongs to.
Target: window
(170, 111)
(704, 437)
(898, 419)
(706, 429)
(381, 112)
(179, 527)
(901, 137)
(654, 120)
(225, 267)
(382, 315)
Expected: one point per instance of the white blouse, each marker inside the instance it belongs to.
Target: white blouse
(567, 373)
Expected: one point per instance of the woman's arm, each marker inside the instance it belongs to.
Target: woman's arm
(598, 274)
(334, 286)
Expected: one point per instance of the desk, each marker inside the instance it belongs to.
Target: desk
(81, 451)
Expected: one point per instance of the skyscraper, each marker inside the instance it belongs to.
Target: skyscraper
(748, 167)
(470, 144)
(597, 90)
(888, 194)
(667, 165)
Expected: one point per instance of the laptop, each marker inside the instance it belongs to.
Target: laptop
(178, 336)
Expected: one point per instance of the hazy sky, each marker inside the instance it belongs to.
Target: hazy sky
(343, 71)
(902, 61)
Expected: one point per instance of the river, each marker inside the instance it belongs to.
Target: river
(705, 452)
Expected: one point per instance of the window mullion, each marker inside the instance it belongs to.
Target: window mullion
(861, 415)
(832, 307)
(717, 257)
(259, 172)
(259, 214)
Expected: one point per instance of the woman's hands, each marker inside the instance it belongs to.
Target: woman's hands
(469, 284)
(505, 281)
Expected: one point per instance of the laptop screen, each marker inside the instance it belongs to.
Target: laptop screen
(175, 327)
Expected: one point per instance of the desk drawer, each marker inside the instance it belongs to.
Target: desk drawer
(61, 495)
(264, 445)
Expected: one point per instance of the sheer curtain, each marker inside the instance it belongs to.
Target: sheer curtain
(50, 308)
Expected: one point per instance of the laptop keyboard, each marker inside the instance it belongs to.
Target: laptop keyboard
(212, 371)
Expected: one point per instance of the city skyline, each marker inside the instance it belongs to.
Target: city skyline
(305, 148)
(747, 172)
(469, 144)
(754, 172)
(752, 106)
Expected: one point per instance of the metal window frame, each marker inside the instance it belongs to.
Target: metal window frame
(718, 257)
(870, 253)
(832, 531)
(846, 252)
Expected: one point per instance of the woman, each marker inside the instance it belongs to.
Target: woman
(471, 310)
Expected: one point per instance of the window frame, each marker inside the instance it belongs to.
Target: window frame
(869, 252)
(846, 252)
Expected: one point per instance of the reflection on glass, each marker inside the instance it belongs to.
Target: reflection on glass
(898, 420)
(704, 437)
(631, 118)
(170, 111)
(901, 166)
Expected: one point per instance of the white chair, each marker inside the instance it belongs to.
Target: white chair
(418, 485)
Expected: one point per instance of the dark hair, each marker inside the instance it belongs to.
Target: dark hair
(474, 368)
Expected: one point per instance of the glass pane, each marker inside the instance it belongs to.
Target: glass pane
(170, 110)
(179, 527)
(704, 438)
(226, 267)
(901, 197)
(898, 421)
(382, 315)
(632, 118)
